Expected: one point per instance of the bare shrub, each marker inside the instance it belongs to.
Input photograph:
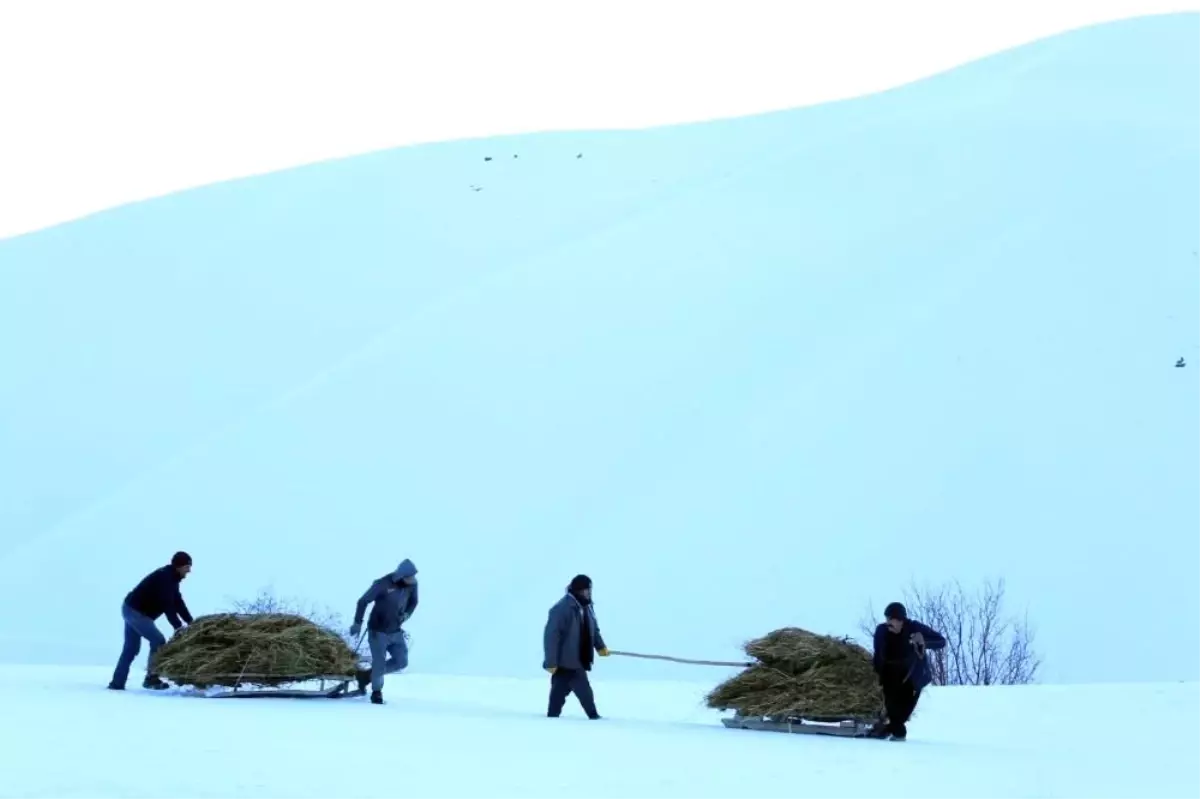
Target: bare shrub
(267, 602)
(984, 645)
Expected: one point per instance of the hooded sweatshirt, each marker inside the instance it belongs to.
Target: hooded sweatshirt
(394, 600)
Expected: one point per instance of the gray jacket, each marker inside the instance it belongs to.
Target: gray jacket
(394, 600)
(563, 629)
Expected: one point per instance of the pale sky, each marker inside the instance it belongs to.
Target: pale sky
(107, 103)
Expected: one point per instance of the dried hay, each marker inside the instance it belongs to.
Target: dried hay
(270, 649)
(802, 674)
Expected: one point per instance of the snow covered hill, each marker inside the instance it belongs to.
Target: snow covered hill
(391, 75)
(744, 374)
(462, 736)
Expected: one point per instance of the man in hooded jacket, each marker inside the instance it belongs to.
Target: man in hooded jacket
(570, 639)
(395, 598)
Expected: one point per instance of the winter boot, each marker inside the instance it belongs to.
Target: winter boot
(155, 684)
(112, 686)
(879, 730)
(377, 697)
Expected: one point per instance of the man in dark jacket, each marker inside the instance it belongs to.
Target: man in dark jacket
(395, 598)
(570, 638)
(900, 661)
(156, 594)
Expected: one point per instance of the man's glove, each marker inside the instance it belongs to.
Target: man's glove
(552, 669)
(918, 642)
(604, 652)
(355, 629)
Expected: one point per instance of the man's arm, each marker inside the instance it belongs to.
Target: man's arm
(182, 607)
(599, 642)
(167, 588)
(412, 602)
(933, 639)
(367, 598)
(877, 657)
(552, 638)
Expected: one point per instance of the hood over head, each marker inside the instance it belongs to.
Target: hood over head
(404, 570)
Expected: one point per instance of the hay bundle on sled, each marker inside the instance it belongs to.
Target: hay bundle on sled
(267, 649)
(802, 674)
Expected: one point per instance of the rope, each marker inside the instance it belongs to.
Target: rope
(739, 665)
(246, 664)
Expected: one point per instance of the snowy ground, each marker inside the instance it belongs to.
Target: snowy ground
(64, 735)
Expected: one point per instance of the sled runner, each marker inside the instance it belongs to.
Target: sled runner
(327, 686)
(301, 686)
(820, 725)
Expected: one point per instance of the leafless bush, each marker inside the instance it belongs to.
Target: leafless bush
(267, 602)
(984, 645)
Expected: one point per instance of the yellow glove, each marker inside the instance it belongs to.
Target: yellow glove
(552, 669)
(604, 652)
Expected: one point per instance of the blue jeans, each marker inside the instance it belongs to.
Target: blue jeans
(389, 653)
(137, 627)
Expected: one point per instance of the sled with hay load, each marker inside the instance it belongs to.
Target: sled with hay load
(802, 682)
(262, 655)
(798, 682)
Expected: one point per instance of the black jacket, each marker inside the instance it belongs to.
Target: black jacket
(910, 664)
(158, 593)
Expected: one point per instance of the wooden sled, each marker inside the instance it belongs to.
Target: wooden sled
(327, 687)
(319, 686)
(843, 728)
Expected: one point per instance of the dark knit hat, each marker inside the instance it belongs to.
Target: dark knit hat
(895, 611)
(181, 559)
(579, 582)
